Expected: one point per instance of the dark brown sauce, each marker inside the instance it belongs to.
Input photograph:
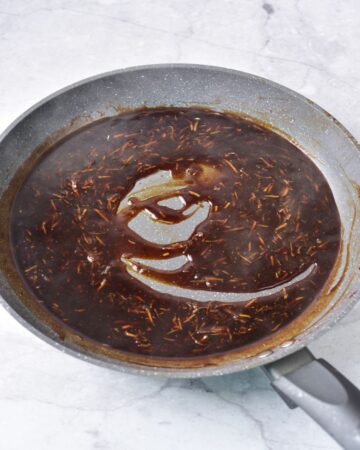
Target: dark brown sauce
(272, 224)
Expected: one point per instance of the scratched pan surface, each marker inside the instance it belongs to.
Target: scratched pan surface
(317, 133)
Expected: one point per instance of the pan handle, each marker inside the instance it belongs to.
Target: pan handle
(322, 392)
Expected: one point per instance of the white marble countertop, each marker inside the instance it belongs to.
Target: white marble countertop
(49, 400)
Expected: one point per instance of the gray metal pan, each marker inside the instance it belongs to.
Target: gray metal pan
(333, 402)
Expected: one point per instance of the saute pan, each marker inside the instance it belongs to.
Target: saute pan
(300, 379)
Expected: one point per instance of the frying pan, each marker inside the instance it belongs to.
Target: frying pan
(300, 379)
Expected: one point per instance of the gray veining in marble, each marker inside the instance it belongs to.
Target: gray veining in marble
(51, 400)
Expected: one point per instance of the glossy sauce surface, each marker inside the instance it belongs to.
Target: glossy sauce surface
(260, 255)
